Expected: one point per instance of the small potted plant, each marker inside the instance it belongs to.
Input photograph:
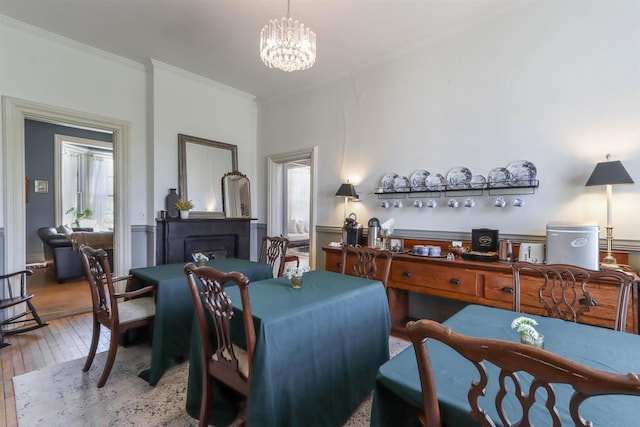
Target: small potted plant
(528, 333)
(79, 215)
(201, 259)
(295, 274)
(184, 206)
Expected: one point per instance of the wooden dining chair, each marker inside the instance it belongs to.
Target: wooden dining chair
(365, 264)
(512, 358)
(115, 306)
(273, 252)
(564, 290)
(222, 359)
(25, 319)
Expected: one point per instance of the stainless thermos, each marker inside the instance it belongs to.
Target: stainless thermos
(505, 252)
(373, 233)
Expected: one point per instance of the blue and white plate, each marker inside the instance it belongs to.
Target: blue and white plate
(387, 182)
(478, 181)
(499, 177)
(436, 182)
(459, 178)
(401, 184)
(522, 172)
(418, 180)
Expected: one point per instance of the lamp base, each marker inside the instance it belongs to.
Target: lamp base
(609, 263)
(604, 266)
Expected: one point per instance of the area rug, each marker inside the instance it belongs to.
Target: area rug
(62, 395)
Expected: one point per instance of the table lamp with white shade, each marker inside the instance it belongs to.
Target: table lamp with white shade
(609, 173)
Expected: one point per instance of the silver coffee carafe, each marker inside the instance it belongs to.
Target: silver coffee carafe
(373, 233)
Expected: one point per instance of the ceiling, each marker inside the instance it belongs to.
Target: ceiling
(218, 39)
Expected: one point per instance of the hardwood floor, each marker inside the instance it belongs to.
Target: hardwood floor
(67, 337)
(54, 300)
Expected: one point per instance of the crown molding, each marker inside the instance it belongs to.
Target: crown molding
(155, 64)
(39, 32)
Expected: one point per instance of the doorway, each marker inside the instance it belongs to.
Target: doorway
(292, 198)
(15, 112)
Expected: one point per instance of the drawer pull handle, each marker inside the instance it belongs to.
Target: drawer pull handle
(455, 281)
(583, 301)
(406, 273)
(339, 264)
(507, 290)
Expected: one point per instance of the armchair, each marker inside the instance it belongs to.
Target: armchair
(67, 263)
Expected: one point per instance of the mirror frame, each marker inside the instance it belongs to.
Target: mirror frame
(183, 169)
(225, 195)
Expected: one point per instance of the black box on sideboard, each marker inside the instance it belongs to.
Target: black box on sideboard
(484, 240)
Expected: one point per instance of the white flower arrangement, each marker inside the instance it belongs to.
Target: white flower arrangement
(200, 257)
(525, 326)
(296, 271)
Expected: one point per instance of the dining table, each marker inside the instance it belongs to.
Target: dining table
(174, 307)
(398, 394)
(318, 349)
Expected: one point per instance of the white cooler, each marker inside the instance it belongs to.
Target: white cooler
(574, 243)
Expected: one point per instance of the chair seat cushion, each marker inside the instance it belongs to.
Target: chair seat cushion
(243, 360)
(136, 309)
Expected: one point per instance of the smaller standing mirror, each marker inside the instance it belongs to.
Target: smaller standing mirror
(236, 195)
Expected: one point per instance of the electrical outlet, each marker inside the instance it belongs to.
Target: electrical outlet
(455, 243)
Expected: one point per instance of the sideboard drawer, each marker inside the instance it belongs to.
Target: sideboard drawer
(499, 287)
(453, 279)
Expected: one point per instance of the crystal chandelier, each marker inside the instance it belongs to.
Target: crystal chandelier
(287, 44)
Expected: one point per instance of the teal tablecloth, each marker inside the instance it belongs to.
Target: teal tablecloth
(398, 394)
(174, 307)
(317, 353)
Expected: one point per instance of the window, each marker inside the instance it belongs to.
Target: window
(86, 183)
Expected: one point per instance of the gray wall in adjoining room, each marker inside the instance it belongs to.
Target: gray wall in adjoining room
(39, 165)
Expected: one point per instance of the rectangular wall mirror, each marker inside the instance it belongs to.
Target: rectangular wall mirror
(201, 165)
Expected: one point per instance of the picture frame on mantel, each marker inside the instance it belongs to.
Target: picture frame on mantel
(201, 165)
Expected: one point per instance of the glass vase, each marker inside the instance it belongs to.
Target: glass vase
(296, 282)
(535, 342)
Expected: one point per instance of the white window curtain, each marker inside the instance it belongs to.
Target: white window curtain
(100, 185)
(299, 192)
(70, 185)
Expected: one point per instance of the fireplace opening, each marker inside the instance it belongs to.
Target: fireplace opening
(213, 247)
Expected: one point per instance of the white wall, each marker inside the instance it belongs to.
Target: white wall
(159, 101)
(189, 104)
(43, 68)
(556, 83)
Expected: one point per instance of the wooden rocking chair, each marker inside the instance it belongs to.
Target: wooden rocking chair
(28, 317)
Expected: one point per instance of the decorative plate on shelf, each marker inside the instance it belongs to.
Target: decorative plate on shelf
(436, 182)
(418, 180)
(401, 184)
(522, 172)
(387, 182)
(499, 177)
(459, 178)
(478, 181)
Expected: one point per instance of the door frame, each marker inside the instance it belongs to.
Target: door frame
(14, 113)
(275, 196)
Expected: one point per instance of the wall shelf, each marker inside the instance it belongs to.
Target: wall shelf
(493, 190)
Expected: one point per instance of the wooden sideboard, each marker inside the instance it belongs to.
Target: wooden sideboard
(486, 283)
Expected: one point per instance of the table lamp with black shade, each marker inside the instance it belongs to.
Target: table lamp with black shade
(609, 173)
(348, 191)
